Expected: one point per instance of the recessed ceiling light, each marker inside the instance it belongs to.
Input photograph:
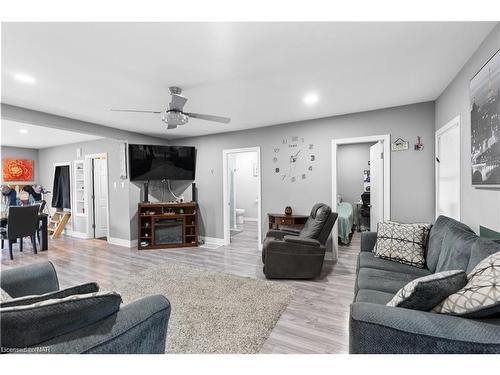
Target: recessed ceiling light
(311, 98)
(23, 131)
(25, 78)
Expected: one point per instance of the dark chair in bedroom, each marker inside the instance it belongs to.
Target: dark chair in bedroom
(299, 255)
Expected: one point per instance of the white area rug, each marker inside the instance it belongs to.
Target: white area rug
(212, 312)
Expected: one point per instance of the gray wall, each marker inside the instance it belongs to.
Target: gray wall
(478, 206)
(352, 160)
(412, 173)
(20, 153)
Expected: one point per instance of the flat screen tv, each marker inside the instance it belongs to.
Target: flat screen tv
(150, 163)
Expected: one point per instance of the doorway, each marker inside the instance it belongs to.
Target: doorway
(98, 223)
(242, 195)
(371, 203)
(448, 169)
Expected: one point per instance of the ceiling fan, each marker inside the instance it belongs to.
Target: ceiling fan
(174, 115)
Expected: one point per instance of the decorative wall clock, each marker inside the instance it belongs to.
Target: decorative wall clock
(293, 159)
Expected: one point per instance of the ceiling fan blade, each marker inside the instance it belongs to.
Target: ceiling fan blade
(133, 110)
(200, 116)
(177, 102)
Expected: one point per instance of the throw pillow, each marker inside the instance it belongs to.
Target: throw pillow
(28, 325)
(402, 243)
(480, 298)
(427, 291)
(4, 296)
(59, 294)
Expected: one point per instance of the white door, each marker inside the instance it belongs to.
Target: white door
(376, 185)
(101, 197)
(448, 170)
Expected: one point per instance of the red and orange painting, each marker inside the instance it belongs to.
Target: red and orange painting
(17, 169)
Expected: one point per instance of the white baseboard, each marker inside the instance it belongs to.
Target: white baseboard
(250, 219)
(70, 233)
(122, 242)
(212, 240)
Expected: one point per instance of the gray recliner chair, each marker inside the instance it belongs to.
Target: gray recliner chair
(299, 255)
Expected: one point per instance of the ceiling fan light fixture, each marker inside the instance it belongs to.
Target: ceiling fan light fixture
(175, 119)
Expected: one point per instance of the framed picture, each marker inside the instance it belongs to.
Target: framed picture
(17, 170)
(485, 124)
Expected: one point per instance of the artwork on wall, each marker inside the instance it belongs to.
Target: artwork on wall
(17, 170)
(485, 124)
(400, 145)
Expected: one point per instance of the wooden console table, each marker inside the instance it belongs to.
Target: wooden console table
(281, 220)
(180, 218)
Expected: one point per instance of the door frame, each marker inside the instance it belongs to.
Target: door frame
(455, 122)
(386, 141)
(225, 192)
(88, 158)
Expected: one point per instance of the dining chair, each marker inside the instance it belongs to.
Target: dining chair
(41, 206)
(22, 222)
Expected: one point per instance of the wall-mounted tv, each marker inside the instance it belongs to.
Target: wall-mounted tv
(151, 162)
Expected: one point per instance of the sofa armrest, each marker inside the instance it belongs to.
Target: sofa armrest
(368, 240)
(137, 328)
(302, 241)
(37, 278)
(382, 329)
(279, 234)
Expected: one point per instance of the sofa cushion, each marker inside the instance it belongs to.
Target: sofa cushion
(28, 300)
(384, 281)
(436, 236)
(480, 298)
(373, 296)
(425, 292)
(455, 249)
(402, 243)
(481, 249)
(28, 325)
(369, 260)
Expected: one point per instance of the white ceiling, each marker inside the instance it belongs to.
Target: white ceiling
(255, 73)
(38, 136)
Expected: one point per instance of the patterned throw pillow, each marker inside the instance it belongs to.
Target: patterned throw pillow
(63, 293)
(4, 296)
(425, 292)
(480, 298)
(28, 325)
(402, 243)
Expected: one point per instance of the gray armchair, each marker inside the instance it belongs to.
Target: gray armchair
(139, 327)
(299, 255)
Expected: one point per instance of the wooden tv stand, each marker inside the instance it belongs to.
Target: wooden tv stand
(167, 225)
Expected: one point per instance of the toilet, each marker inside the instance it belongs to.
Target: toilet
(240, 213)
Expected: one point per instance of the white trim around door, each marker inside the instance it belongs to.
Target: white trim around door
(386, 141)
(225, 154)
(454, 124)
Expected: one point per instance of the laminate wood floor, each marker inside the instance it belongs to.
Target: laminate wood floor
(316, 320)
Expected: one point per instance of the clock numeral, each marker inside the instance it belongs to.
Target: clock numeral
(311, 146)
(284, 141)
(277, 170)
(295, 139)
(275, 159)
(276, 150)
(303, 176)
(293, 179)
(313, 157)
(310, 168)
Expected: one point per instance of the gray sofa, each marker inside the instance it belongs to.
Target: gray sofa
(377, 328)
(139, 327)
